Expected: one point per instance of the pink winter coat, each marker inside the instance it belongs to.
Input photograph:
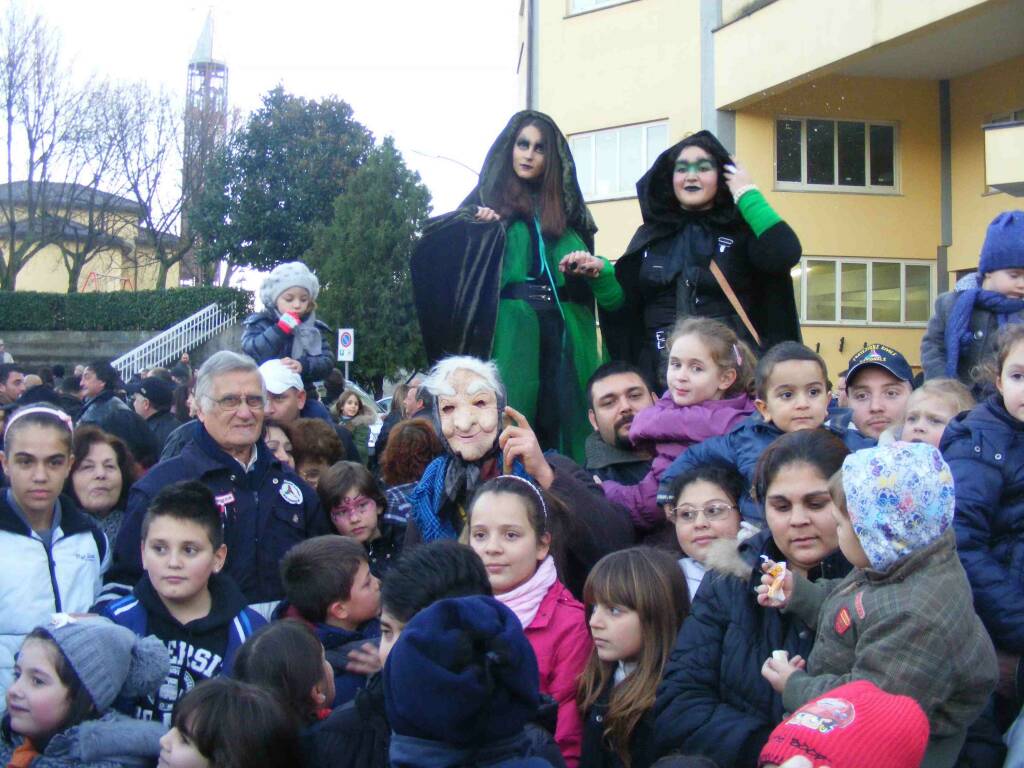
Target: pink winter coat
(670, 429)
(562, 643)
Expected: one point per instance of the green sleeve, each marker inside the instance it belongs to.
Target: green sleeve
(757, 212)
(607, 290)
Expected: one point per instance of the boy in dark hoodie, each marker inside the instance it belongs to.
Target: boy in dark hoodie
(198, 612)
(327, 581)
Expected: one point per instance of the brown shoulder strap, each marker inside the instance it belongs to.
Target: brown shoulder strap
(730, 294)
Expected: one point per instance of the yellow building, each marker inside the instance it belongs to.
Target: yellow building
(863, 122)
(113, 251)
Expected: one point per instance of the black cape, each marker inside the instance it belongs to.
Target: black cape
(773, 310)
(456, 265)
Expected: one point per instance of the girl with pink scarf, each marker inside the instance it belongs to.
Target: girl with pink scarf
(510, 523)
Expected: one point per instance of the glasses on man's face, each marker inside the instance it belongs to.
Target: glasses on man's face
(234, 402)
(701, 166)
(688, 513)
(360, 505)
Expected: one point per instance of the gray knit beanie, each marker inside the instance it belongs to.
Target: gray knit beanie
(292, 274)
(110, 660)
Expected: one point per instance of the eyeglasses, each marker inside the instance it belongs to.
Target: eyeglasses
(359, 505)
(234, 402)
(687, 513)
(701, 166)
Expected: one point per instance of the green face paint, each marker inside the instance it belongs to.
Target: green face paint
(700, 166)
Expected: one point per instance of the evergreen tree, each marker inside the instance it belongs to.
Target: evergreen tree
(362, 258)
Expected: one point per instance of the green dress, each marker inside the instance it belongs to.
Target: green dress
(517, 332)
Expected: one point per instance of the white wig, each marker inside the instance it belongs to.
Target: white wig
(436, 382)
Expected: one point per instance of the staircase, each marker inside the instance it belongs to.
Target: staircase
(181, 337)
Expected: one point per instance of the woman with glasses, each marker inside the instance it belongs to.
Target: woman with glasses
(713, 700)
(704, 510)
(707, 232)
(356, 507)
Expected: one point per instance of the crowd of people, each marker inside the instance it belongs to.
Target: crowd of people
(738, 560)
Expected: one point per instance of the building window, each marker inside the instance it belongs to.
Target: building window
(864, 291)
(835, 155)
(582, 6)
(608, 163)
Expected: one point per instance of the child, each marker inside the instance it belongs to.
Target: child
(878, 385)
(315, 447)
(984, 448)
(228, 724)
(792, 394)
(53, 555)
(358, 734)
(510, 524)
(327, 580)
(930, 408)
(704, 510)
(286, 659)
(842, 727)
(903, 618)
(358, 509)
(184, 599)
(287, 328)
(710, 372)
(356, 416)
(713, 700)
(961, 335)
(637, 601)
(460, 689)
(66, 678)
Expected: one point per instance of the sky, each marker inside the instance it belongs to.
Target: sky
(439, 76)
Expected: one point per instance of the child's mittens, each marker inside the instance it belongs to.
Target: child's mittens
(289, 322)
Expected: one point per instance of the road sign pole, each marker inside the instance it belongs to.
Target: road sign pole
(346, 371)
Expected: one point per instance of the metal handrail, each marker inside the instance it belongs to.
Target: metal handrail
(181, 337)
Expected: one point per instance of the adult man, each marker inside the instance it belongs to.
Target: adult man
(101, 406)
(470, 405)
(151, 399)
(12, 383)
(878, 385)
(287, 401)
(265, 506)
(416, 400)
(617, 393)
(417, 403)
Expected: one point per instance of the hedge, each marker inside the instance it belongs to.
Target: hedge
(116, 311)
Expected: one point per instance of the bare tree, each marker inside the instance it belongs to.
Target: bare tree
(147, 130)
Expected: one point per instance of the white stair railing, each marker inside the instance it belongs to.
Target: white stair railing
(170, 344)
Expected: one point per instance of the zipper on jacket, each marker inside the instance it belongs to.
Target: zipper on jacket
(53, 574)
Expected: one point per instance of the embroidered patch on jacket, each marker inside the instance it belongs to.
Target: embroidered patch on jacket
(290, 492)
(843, 621)
(858, 605)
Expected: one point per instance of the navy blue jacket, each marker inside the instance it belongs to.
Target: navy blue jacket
(740, 448)
(712, 699)
(265, 512)
(985, 450)
(262, 340)
(337, 643)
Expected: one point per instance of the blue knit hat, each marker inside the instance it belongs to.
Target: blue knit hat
(1004, 243)
(900, 499)
(462, 673)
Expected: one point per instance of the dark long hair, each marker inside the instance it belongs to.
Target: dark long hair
(237, 725)
(650, 582)
(284, 658)
(519, 198)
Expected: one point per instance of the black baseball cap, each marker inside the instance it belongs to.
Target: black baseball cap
(159, 393)
(882, 356)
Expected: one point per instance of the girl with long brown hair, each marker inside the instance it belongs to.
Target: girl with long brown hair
(637, 600)
(512, 276)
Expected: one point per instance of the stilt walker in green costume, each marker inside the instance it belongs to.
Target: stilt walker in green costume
(512, 276)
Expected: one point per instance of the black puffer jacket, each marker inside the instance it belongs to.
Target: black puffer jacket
(713, 700)
(665, 270)
(596, 752)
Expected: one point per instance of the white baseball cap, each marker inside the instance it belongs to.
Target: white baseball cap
(278, 378)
